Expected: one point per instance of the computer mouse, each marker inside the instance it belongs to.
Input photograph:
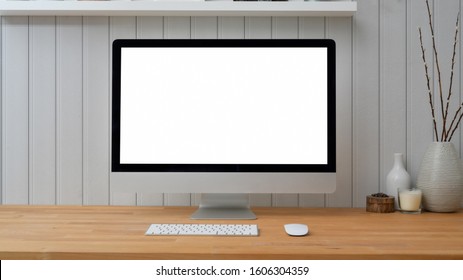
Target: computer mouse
(296, 229)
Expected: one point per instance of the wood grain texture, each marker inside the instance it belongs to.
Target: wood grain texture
(110, 232)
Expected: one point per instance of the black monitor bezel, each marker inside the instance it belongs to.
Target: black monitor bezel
(204, 43)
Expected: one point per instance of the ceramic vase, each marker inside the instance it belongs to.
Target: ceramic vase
(440, 178)
(397, 178)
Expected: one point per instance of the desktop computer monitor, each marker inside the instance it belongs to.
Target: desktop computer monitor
(223, 117)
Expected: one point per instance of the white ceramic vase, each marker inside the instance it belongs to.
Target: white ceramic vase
(397, 178)
(441, 178)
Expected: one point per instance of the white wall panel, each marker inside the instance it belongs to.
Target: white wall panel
(177, 27)
(393, 85)
(258, 27)
(15, 110)
(285, 27)
(42, 114)
(150, 27)
(69, 110)
(231, 27)
(204, 28)
(55, 97)
(96, 118)
(366, 101)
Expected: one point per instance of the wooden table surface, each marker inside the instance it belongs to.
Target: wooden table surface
(112, 232)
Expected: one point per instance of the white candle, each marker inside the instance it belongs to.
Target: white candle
(410, 200)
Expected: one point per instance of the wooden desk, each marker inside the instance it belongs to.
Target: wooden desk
(108, 232)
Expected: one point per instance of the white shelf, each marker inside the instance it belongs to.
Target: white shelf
(186, 8)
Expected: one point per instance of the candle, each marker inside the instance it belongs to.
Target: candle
(410, 200)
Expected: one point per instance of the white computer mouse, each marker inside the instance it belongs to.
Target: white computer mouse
(296, 229)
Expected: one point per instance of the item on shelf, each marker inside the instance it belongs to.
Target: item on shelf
(397, 178)
(410, 201)
(380, 203)
(440, 178)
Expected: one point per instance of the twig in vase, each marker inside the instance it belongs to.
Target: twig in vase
(436, 57)
(447, 132)
(458, 112)
(430, 95)
(455, 40)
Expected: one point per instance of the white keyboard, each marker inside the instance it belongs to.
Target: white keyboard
(203, 229)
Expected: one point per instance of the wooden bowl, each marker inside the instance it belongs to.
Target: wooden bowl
(380, 204)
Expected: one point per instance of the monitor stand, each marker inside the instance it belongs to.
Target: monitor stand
(224, 207)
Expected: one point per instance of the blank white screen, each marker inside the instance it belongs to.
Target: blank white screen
(224, 105)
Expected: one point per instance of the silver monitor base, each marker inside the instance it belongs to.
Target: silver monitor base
(224, 207)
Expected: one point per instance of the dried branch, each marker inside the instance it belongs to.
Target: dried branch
(436, 58)
(428, 83)
(455, 41)
(458, 112)
(447, 132)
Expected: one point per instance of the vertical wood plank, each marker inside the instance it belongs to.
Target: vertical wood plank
(69, 110)
(204, 28)
(231, 27)
(122, 28)
(96, 118)
(177, 28)
(259, 28)
(150, 28)
(393, 84)
(15, 111)
(366, 101)
(340, 30)
(285, 27)
(42, 118)
(311, 28)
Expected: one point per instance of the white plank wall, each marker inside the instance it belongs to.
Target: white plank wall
(56, 92)
(96, 108)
